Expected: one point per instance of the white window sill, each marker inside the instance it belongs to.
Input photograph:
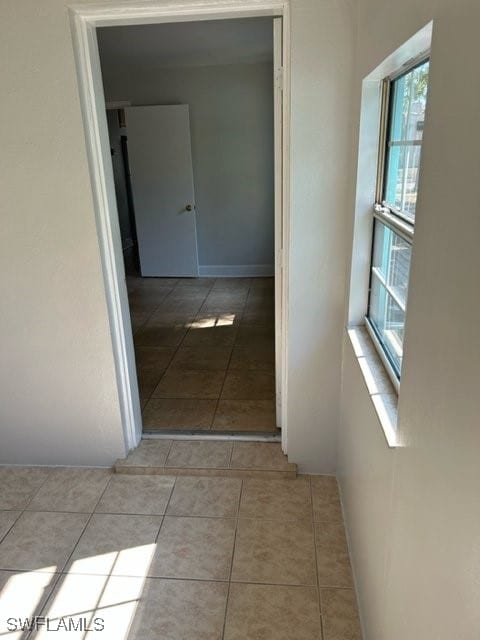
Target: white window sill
(382, 392)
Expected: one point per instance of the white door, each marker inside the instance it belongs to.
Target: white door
(160, 158)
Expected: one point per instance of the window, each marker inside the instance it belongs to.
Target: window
(404, 98)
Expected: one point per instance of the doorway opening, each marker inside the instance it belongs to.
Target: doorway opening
(198, 168)
(193, 165)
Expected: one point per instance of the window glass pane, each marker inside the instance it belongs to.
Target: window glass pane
(388, 321)
(391, 261)
(389, 289)
(407, 115)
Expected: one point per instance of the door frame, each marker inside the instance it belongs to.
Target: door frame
(84, 20)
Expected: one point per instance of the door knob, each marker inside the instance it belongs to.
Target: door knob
(188, 207)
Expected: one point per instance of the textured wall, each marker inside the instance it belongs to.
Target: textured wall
(59, 397)
(322, 59)
(59, 394)
(231, 124)
(412, 512)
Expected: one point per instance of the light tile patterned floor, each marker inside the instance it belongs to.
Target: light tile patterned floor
(205, 352)
(174, 558)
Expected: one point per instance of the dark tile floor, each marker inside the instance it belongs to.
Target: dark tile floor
(205, 352)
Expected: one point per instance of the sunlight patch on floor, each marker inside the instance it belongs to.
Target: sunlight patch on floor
(223, 320)
(99, 594)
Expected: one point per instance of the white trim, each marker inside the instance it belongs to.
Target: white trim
(84, 19)
(392, 374)
(377, 274)
(107, 14)
(117, 104)
(285, 220)
(106, 217)
(367, 167)
(398, 225)
(382, 395)
(236, 270)
(277, 123)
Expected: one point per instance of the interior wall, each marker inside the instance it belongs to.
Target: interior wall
(412, 512)
(59, 394)
(59, 401)
(231, 122)
(321, 66)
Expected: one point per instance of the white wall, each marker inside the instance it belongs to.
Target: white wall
(59, 394)
(412, 512)
(231, 122)
(59, 401)
(322, 50)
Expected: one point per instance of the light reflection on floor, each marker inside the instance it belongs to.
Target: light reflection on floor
(224, 320)
(85, 602)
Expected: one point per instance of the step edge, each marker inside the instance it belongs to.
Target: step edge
(204, 471)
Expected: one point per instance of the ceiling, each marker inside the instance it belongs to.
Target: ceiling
(183, 44)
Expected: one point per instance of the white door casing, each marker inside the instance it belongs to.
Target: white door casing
(84, 19)
(278, 170)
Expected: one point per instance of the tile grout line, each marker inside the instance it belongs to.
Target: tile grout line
(165, 512)
(167, 456)
(134, 350)
(226, 373)
(178, 346)
(183, 579)
(228, 364)
(22, 512)
(61, 572)
(221, 390)
(213, 398)
(103, 589)
(231, 562)
(172, 290)
(91, 514)
(173, 515)
(151, 312)
(317, 584)
(168, 367)
(25, 508)
(158, 381)
(2, 538)
(231, 458)
(50, 473)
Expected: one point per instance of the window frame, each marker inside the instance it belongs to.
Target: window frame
(398, 221)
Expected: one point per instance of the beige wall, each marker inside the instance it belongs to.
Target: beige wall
(59, 394)
(231, 127)
(412, 513)
(321, 58)
(59, 402)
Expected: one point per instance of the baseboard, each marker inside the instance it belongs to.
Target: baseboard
(236, 270)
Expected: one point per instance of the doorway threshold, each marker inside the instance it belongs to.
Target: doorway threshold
(241, 436)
